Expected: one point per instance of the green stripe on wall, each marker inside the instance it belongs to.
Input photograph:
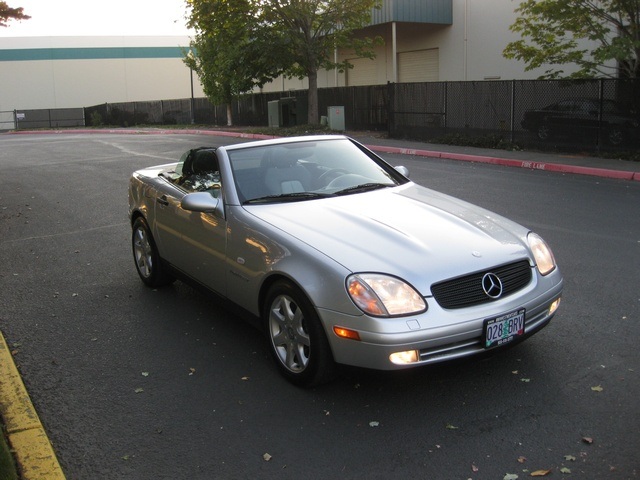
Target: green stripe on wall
(33, 54)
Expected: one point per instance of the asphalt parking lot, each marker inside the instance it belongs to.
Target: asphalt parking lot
(135, 383)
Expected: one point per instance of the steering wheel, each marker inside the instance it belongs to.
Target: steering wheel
(330, 175)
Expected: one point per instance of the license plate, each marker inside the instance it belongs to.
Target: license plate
(503, 329)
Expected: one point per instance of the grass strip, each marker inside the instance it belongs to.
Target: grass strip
(7, 466)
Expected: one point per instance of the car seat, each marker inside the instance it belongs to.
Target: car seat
(283, 173)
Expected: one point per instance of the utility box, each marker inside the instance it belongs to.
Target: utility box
(283, 112)
(335, 118)
(273, 109)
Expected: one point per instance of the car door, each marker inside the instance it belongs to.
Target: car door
(587, 117)
(560, 118)
(193, 242)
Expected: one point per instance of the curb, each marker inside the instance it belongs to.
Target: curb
(32, 450)
(550, 167)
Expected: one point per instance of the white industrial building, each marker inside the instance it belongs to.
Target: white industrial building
(425, 40)
(69, 72)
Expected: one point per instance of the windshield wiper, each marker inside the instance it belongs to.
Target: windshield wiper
(287, 197)
(364, 187)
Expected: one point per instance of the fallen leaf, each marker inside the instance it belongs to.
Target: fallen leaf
(192, 371)
(565, 470)
(245, 378)
(522, 459)
(145, 374)
(597, 388)
(451, 427)
(515, 372)
(474, 468)
(570, 458)
(374, 424)
(266, 457)
(525, 380)
(540, 473)
(139, 390)
(588, 440)
(510, 476)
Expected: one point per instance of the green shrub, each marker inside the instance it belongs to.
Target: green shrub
(96, 119)
(479, 141)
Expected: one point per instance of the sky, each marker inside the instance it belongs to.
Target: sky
(98, 18)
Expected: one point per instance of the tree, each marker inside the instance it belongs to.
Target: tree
(7, 13)
(246, 43)
(312, 30)
(555, 32)
(230, 53)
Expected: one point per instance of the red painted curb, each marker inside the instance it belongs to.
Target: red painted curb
(550, 167)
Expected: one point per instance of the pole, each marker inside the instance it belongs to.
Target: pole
(193, 118)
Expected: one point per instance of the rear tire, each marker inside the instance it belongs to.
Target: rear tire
(146, 256)
(296, 338)
(544, 132)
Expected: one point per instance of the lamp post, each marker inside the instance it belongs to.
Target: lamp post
(192, 105)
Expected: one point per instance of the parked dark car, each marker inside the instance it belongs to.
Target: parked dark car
(615, 125)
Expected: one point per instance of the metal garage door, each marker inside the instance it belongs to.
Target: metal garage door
(364, 72)
(418, 66)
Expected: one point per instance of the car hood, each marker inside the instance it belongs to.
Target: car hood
(409, 231)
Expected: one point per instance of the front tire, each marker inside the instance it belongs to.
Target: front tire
(615, 136)
(146, 256)
(296, 338)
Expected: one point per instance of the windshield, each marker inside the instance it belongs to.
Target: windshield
(308, 170)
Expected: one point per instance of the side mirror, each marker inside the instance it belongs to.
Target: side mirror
(402, 170)
(203, 202)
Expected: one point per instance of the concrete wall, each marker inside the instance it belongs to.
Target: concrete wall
(64, 72)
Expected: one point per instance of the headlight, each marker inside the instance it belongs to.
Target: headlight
(384, 296)
(542, 254)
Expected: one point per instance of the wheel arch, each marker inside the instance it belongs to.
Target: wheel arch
(136, 214)
(272, 279)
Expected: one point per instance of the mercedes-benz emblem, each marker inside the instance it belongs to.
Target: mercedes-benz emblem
(492, 285)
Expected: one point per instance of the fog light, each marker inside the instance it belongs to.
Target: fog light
(554, 306)
(346, 333)
(404, 358)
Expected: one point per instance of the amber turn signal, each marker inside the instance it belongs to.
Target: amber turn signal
(346, 333)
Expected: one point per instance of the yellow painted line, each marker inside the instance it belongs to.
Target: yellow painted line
(32, 449)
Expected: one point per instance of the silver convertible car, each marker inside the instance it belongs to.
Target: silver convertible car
(340, 256)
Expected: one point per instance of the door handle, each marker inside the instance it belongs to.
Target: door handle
(163, 201)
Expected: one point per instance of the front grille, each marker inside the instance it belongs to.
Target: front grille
(467, 291)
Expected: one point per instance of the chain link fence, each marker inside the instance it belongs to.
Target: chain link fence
(556, 115)
(559, 115)
(46, 118)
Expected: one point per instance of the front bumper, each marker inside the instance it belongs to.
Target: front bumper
(438, 335)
